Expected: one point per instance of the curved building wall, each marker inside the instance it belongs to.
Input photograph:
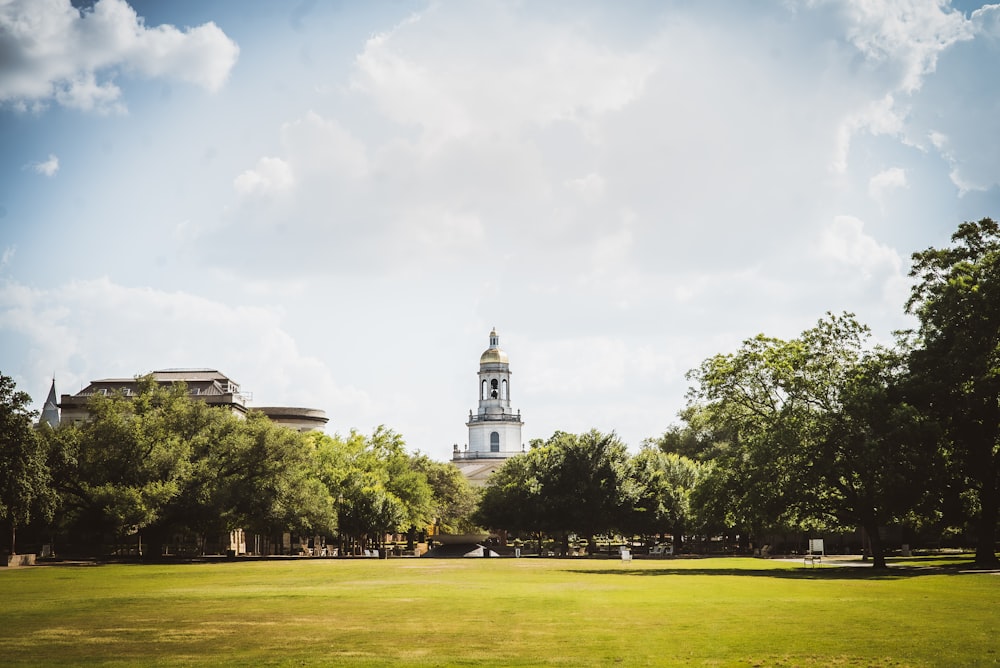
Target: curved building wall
(300, 419)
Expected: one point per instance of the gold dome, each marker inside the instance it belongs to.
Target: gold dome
(493, 356)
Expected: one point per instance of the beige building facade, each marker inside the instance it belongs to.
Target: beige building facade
(208, 385)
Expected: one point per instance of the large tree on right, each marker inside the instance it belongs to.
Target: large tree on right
(956, 362)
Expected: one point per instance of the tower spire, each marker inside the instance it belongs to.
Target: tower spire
(50, 411)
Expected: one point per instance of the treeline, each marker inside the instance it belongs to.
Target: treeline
(588, 485)
(824, 432)
(168, 469)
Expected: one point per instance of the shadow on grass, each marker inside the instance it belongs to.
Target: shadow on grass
(804, 573)
(947, 559)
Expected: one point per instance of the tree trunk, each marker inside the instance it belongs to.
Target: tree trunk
(875, 541)
(154, 545)
(13, 536)
(986, 556)
(878, 553)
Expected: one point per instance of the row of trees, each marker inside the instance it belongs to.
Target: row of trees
(822, 431)
(826, 431)
(174, 469)
(589, 485)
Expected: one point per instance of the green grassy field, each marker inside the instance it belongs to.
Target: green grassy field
(529, 612)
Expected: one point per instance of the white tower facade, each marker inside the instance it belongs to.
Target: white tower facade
(495, 428)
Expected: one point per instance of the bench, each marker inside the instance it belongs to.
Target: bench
(814, 553)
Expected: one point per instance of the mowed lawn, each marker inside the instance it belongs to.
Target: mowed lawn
(498, 612)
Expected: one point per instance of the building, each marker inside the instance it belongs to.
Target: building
(494, 429)
(208, 385)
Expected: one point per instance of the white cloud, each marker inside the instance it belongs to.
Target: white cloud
(901, 42)
(434, 232)
(82, 91)
(574, 367)
(635, 189)
(957, 108)
(986, 20)
(535, 151)
(905, 35)
(878, 117)
(885, 181)
(590, 188)
(272, 175)
(611, 252)
(55, 52)
(47, 167)
(658, 364)
(323, 148)
(549, 73)
(845, 241)
(860, 263)
(97, 328)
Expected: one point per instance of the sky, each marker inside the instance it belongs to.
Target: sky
(333, 203)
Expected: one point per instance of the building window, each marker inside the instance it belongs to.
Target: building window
(482, 392)
(494, 441)
(493, 389)
(503, 390)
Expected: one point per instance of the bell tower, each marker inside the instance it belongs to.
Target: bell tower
(495, 428)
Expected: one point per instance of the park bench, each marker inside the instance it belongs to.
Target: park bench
(815, 552)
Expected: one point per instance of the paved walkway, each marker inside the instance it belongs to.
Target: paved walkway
(854, 561)
(843, 560)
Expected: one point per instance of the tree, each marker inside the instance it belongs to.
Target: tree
(161, 462)
(511, 499)
(24, 474)
(119, 470)
(723, 500)
(819, 434)
(749, 409)
(453, 499)
(403, 478)
(695, 437)
(587, 487)
(665, 484)
(377, 485)
(956, 362)
(272, 484)
(875, 445)
(569, 484)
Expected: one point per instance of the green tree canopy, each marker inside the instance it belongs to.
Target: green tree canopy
(117, 471)
(568, 484)
(453, 498)
(956, 362)
(161, 462)
(24, 474)
(819, 435)
(665, 484)
(378, 487)
(511, 499)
